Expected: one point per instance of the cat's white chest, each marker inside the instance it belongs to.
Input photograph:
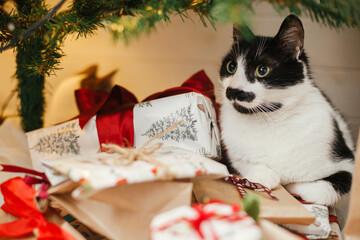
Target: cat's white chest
(291, 146)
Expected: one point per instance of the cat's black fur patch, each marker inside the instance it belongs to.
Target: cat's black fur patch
(236, 94)
(341, 181)
(284, 71)
(339, 149)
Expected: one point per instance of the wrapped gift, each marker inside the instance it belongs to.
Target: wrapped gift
(119, 119)
(284, 210)
(103, 170)
(210, 221)
(118, 198)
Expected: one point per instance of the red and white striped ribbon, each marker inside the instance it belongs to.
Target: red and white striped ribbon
(245, 183)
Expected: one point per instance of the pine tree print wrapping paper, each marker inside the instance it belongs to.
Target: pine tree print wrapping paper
(62, 141)
(198, 132)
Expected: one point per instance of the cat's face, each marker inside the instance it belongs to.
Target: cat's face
(259, 75)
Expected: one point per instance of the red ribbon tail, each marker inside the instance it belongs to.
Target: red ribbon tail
(18, 228)
(51, 231)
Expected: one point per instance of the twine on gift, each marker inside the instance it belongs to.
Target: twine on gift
(142, 153)
(245, 183)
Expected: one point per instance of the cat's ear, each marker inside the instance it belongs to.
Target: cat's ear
(291, 36)
(238, 33)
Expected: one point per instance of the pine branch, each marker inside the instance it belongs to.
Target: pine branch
(143, 19)
(332, 13)
(31, 30)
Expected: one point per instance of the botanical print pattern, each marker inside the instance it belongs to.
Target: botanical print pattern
(64, 141)
(144, 104)
(185, 131)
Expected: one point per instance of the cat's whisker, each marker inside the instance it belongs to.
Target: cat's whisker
(263, 110)
(261, 113)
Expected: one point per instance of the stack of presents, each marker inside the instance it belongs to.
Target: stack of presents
(125, 169)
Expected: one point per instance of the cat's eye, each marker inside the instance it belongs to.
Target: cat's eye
(231, 67)
(262, 71)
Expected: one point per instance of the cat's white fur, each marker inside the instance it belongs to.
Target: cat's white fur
(290, 146)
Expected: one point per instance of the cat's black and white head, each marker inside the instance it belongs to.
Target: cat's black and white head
(256, 72)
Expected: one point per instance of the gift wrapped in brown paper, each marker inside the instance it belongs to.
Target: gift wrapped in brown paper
(119, 200)
(352, 230)
(125, 211)
(284, 210)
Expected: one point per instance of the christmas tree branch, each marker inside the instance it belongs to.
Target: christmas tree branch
(18, 37)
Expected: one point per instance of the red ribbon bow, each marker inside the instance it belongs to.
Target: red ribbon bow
(244, 183)
(20, 202)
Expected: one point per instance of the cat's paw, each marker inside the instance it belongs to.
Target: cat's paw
(320, 192)
(268, 179)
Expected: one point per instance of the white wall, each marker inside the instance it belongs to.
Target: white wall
(175, 51)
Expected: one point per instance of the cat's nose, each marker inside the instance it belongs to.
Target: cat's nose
(236, 94)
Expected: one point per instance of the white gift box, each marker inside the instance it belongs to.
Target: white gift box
(62, 141)
(103, 170)
(198, 132)
(214, 221)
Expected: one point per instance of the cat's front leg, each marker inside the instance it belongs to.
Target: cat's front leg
(259, 173)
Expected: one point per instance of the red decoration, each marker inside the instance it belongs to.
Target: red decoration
(114, 111)
(20, 202)
(244, 183)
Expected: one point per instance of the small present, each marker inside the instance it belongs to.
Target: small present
(120, 119)
(210, 221)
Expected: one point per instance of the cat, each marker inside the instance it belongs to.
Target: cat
(276, 125)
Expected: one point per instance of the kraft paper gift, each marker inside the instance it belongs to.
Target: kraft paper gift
(125, 211)
(119, 201)
(352, 226)
(286, 210)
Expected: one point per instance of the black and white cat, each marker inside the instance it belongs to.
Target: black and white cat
(277, 126)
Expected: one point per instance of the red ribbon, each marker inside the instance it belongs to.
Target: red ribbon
(17, 169)
(244, 183)
(20, 202)
(30, 180)
(114, 112)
